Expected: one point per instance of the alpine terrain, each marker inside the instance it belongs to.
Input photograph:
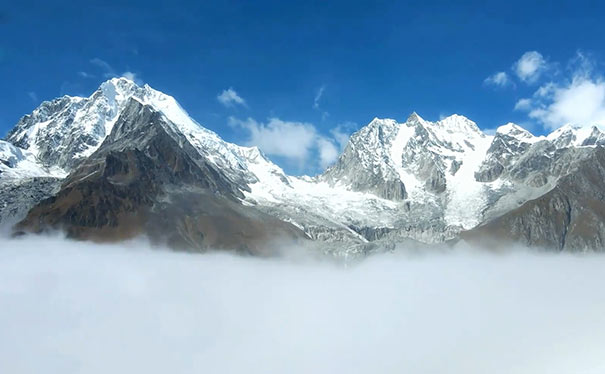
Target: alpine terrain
(129, 161)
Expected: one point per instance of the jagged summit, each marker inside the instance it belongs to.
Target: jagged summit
(65, 131)
(512, 128)
(414, 118)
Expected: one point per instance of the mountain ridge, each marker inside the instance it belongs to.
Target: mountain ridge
(394, 182)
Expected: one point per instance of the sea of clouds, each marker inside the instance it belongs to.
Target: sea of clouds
(72, 307)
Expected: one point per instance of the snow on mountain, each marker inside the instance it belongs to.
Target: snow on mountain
(64, 131)
(435, 162)
(17, 163)
(572, 136)
(416, 179)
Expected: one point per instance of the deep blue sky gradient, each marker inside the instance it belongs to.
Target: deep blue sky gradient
(375, 59)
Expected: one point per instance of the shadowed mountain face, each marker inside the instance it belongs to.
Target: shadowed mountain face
(145, 178)
(571, 216)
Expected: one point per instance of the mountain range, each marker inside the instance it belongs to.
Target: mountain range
(129, 161)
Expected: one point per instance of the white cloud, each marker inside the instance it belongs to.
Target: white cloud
(545, 90)
(331, 148)
(342, 132)
(582, 102)
(523, 104)
(298, 142)
(499, 79)
(230, 98)
(530, 66)
(155, 311)
(110, 72)
(291, 140)
(328, 152)
(132, 76)
(577, 100)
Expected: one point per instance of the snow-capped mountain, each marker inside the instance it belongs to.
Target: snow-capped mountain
(121, 159)
(62, 132)
(426, 181)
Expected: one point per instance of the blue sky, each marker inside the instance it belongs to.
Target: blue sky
(313, 69)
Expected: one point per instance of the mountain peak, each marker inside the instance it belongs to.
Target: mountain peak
(455, 117)
(120, 80)
(457, 123)
(66, 130)
(414, 118)
(514, 130)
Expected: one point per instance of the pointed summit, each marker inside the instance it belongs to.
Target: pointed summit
(514, 130)
(414, 118)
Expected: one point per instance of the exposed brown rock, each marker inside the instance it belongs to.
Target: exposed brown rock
(569, 217)
(143, 180)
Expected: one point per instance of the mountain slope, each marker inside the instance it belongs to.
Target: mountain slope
(571, 216)
(146, 178)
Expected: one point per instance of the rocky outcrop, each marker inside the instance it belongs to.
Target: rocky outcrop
(361, 166)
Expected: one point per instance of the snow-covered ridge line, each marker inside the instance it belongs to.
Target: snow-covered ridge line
(418, 179)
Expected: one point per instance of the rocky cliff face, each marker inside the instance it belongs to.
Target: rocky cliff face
(570, 217)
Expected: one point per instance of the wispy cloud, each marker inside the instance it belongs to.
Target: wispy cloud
(523, 104)
(316, 102)
(33, 96)
(84, 74)
(342, 132)
(318, 96)
(133, 77)
(108, 71)
(499, 79)
(230, 98)
(530, 66)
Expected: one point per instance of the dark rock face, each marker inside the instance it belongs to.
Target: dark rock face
(569, 217)
(436, 182)
(455, 167)
(392, 190)
(16, 199)
(489, 172)
(144, 180)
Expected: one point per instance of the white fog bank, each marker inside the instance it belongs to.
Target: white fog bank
(70, 307)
